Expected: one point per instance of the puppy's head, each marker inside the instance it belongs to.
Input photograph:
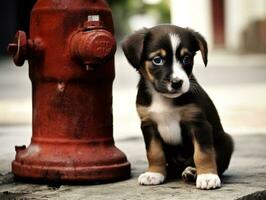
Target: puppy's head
(164, 56)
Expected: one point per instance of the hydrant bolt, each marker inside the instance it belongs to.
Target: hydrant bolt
(94, 18)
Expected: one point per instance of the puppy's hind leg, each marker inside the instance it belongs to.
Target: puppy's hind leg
(224, 147)
(189, 174)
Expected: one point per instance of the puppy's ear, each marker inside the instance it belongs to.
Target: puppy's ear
(133, 47)
(202, 46)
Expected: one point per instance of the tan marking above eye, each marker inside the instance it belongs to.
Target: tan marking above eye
(163, 53)
(184, 51)
(160, 52)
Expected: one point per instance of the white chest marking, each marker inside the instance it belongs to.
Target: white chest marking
(167, 118)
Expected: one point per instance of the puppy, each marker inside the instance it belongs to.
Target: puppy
(181, 127)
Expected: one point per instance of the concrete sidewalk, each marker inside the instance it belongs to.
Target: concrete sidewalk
(245, 175)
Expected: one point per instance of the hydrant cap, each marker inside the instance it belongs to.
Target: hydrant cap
(103, 44)
(93, 46)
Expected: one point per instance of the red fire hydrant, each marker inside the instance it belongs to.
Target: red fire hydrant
(71, 67)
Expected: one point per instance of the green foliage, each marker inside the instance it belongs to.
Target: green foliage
(122, 10)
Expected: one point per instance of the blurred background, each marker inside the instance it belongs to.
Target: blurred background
(235, 77)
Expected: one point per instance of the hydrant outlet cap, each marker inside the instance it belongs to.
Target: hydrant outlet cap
(94, 46)
(103, 45)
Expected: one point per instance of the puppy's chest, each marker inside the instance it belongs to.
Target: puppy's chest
(167, 118)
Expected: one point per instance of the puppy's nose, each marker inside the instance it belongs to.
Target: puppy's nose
(176, 84)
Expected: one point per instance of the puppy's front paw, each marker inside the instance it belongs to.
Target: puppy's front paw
(151, 178)
(208, 181)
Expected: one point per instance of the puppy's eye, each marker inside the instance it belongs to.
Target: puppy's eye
(187, 60)
(157, 60)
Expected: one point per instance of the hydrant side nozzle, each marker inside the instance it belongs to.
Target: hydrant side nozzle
(35, 47)
(92, 46)
(18, 49)
(22, 48)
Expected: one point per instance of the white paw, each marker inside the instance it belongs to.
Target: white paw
(151, 178)
(208, 181)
